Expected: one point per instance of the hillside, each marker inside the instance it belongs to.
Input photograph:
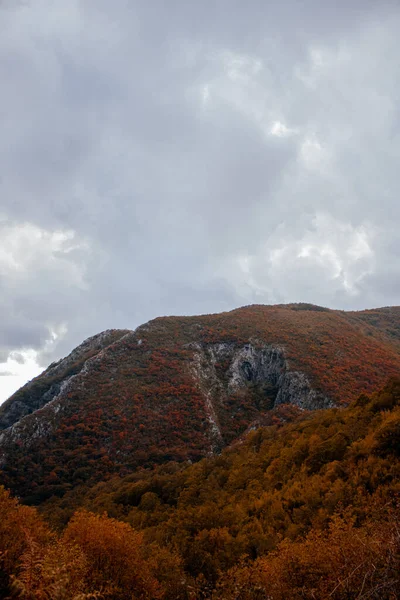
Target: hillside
(282, 482)
(43, 389)
(180, 388)
(306, 510)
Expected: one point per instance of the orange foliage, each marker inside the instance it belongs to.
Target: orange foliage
(19, 527)
(302, 510)
(113, 550)
(343, 563)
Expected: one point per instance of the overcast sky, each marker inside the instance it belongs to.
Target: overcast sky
(191, 157)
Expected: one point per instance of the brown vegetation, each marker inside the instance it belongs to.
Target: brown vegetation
(302, 510)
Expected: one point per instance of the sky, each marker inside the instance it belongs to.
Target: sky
(177, 157)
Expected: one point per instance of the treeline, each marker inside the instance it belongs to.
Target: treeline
(302, 510)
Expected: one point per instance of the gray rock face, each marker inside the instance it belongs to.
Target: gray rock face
(295, 388)
(224, 369)
(256, 364)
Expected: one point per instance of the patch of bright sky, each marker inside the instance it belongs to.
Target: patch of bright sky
(279, 129)
(23, 366)
(14, 373)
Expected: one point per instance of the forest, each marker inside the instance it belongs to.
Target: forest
(306, 507)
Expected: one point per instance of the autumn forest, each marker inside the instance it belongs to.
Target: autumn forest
(244, 456)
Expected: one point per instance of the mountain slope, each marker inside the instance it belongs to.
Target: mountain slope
(381, 323)
(282, 481)
(179, 388)
(300, 510)
(43, 389)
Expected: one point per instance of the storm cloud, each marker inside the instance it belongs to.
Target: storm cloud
(180, 158)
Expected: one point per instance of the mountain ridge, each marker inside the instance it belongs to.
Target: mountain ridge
(179, 388)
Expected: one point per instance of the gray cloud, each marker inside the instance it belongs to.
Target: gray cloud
(180, 158)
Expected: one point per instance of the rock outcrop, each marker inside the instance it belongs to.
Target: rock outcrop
(224, 369)
(54, 380)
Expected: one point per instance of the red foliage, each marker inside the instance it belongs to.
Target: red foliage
(139, 405)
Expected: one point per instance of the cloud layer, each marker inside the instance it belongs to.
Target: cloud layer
(181, 158)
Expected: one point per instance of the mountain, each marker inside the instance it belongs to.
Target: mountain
(181, 388)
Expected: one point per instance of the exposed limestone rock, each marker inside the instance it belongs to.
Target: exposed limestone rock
(49, 385)
(43, 421)
(203, 369)
(256, 364)
(295, 388)
(223, 369)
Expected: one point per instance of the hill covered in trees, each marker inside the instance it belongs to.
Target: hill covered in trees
(302, 509)
(182, 388)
